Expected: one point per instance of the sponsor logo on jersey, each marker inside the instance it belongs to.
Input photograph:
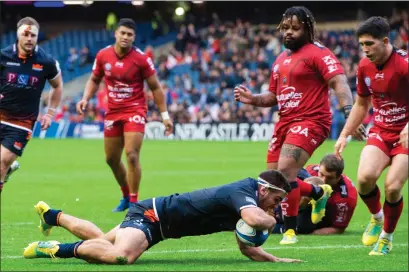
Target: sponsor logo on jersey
(10, 63)
(37, 67)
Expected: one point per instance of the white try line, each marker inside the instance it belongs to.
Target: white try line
(236, 249)
(17, 224)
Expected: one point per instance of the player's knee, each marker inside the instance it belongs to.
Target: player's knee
(132, 157)
(367, 177)
(111, 161)
(392, 190)
(126, 256)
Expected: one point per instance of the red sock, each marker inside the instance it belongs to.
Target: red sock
(372, 200)
(305, 188)
(133, 197)
(392, 212)
(125, 190)
(289, 205)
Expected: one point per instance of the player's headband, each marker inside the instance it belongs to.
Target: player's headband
(264, 183)
(23, 29)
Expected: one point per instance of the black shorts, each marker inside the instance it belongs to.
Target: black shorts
(14, 139)
(304, 224)
(142, 216)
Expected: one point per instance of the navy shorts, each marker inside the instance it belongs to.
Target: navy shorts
(304, 224)
(141, 215)
(14, 139)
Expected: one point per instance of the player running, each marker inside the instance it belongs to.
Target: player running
(383, 80)
(25, 68)
(125, 68)
(340, 206)
(299, 84)
(150, 221)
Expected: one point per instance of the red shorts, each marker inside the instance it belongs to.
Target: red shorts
(115, 124)
(386, 141)
(308, 135)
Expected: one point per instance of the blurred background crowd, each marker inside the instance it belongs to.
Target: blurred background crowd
(205, 59)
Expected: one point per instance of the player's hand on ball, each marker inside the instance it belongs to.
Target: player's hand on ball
(340, 145)
(242, 94)
(404, 138)
(81, 106)
(46, 121)
(360, 133)
(168, 127)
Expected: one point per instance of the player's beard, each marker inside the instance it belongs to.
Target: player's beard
(27, 49)
(295, 44)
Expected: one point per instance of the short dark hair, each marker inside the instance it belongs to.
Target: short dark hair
(28, 21)
(333, 164)
(305, 16)
(276, 178)
(375, 26)
(127, 22)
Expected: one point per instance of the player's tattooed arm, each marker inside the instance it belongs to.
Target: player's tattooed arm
(264, 100)
(244, 95)
(339, 84)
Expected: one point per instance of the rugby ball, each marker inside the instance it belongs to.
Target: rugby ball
(249, 236)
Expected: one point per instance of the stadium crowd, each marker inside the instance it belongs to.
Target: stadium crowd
(203, 66)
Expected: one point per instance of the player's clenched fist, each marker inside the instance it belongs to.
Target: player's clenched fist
(242, 94)
(81, 106)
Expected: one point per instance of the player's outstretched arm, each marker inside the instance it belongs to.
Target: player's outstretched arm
(243, 94)
(328, 231)
(257, 218)
(259, 255)
(160, 101)
(91, 87)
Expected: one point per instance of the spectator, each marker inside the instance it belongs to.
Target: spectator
(72, 59)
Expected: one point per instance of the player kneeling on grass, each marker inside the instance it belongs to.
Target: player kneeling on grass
(340, 206)
(150, 221)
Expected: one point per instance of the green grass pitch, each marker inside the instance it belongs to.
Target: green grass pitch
(72, 175)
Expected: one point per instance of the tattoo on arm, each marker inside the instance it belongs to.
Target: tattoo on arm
(342, 90)
(265, 100)
(291, 151)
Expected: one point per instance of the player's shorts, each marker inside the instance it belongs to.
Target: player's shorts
(386, 141)
(308, 135)
(117, 123)
(304, 223)
(14, 139)
(141, 215)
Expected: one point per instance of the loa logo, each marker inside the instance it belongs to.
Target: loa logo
(137, 119)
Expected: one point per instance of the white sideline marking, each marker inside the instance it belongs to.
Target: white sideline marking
(234, 249)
